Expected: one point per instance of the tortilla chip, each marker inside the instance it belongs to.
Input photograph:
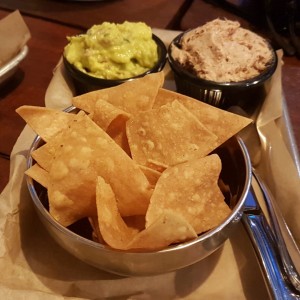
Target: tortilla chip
(38, 174)
(71, 194)
(191, 190)
(46, 122)
(84, 153)
(105, 113)
(43, 156)
(169, 134)
(117, 131)
(112, 120)
(132, 96)
(135, 222)
(222, 123)
(167, 229)
(156, 165)
(96, 234)
(151, 174)
(113, 229)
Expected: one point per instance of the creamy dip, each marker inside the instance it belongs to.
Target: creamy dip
(113, 51)
(223, 51)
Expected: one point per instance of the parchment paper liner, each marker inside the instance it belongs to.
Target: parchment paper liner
(14, 34)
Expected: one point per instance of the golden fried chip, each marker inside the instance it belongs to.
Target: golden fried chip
(222, 123)
(169, 228)
(43, 156)
(156, 165)
(85, 152)
(112, 120)
(117, 131)
(38, 174)
(131, 96)
(169, 134)
(105, 113)
(191, 190)
(71, 189)
(96, 234)
(151, 174)
(135, 222)
(113, 229)
(46, 122)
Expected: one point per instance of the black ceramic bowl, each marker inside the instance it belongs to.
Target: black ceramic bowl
(85, 83)
(248, 95)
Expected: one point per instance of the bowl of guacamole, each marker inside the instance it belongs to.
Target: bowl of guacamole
(110, 54)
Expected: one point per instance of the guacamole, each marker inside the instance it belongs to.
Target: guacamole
(113, 51)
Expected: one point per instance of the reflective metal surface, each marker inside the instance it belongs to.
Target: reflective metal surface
(236, 173)
(10, 67)
(280, 275)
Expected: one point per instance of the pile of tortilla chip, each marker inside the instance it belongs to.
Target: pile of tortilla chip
(135, 160)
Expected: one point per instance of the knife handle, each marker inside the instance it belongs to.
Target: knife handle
(264, 245)
(284, 240)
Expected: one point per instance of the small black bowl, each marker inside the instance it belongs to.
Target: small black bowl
(86, 83)
(248, 95)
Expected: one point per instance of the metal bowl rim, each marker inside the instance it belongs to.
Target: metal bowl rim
(234, 215)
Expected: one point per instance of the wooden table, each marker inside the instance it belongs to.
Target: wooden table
(82, 15)
(51, 21)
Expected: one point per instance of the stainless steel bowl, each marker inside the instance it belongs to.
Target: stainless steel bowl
(236, 173)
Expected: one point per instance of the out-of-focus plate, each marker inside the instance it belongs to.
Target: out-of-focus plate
(7, 70)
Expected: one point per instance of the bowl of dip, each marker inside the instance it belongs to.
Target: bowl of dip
(223, 64)
(110, 54)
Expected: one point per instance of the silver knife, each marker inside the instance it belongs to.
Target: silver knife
(265, 243)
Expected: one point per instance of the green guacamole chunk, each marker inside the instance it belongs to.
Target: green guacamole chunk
(113, 51)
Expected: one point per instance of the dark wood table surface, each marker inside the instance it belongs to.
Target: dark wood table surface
(82, 15)
(51, 21)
